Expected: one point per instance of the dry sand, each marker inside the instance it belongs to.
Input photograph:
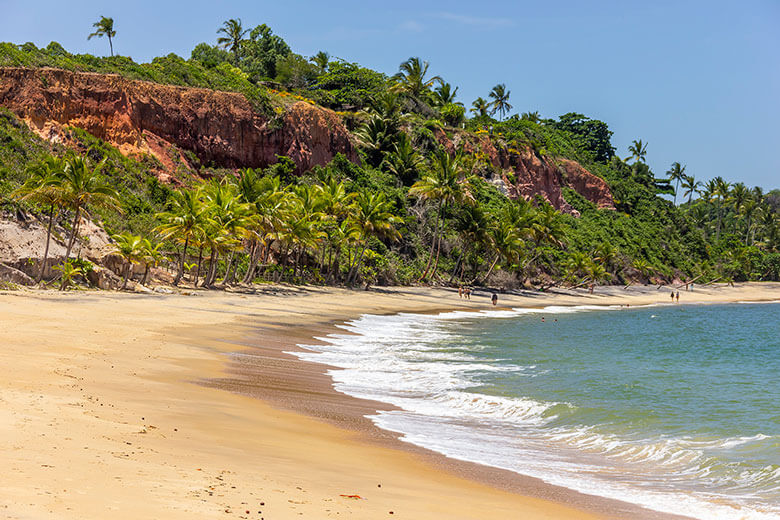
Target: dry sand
(114, 406)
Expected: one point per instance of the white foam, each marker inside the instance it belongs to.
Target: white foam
(418, 364)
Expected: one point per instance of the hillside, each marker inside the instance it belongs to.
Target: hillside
(323, 171)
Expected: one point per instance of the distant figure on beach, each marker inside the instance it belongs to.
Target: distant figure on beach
(672, 296)
(494, 298)
(590, 289)
(467, 292)
(460, 292)
(677, 296)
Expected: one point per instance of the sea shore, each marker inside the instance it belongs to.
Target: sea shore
(187, 406)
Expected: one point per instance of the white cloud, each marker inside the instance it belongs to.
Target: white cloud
(411, 26)
(476, 20)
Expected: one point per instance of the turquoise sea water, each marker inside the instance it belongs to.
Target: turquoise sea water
(673, 407)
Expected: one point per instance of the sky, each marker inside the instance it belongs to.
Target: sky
(699, 81)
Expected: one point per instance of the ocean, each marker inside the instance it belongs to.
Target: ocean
(671, 407)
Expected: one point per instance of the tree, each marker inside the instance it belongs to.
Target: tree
(676, 173)
(183, 222)
(638, 151)
(104, 27)
(321, 60)
(594, 134)
(481, 107)
(261, 52)
(234, 36)
(500, 97)
(721, 192)
(443, 185)
(411, 79)
(531, 116)
(372, 215)
(81, 187)
(404, 161)
(690, 185)
(42, 187)
(68, 271)
(444, 95)
(130, 248)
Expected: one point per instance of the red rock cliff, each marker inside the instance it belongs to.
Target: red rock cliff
(219, 127)
(533, 174)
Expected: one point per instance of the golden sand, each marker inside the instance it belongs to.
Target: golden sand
(108, 409)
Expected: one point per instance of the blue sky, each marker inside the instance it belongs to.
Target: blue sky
(698, 80)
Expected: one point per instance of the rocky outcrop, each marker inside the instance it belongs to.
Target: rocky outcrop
(220, 128)
(527, 174)
(14, 276)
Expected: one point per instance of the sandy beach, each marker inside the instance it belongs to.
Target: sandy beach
(123, 406)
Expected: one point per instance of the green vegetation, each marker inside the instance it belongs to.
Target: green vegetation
(420, 206)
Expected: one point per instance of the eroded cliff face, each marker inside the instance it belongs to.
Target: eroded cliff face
(534, 174)
(220, 128)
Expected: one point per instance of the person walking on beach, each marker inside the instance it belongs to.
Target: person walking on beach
(467, 292)
(672, 296)
(460, 292)
(677, 296)
(494, 298)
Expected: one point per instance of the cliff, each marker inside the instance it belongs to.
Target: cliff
(527, 174)
(220, 128)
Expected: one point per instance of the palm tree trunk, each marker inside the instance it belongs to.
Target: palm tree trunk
(111, 46)
(433, 244)
(73, 231)
(226, 280)
(180, 274)
(213, 265)
(200, 261)
(438, 250)
(356, 267)
(127, 275)
(48, 240)
(252, 263)
(146, 274)
(490, 271)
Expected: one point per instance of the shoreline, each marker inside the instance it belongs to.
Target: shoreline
(193, 339)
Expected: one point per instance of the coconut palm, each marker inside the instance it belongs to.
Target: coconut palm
(404, 162)
(68, 272)
(443, 185)
(506, 241)
(151, 256)
(500, 97)
(42, 187)
(690, 185)
(321, 59)
(104, 27)
(372, 216)
(676, 173)
(721, 192)
(411, 78)
(82, 187)
(130, 248)
(534, 117)
(480, 107)
(377, 137)
(638, 151)
(444, 95)
(234, 36)
(185, 221)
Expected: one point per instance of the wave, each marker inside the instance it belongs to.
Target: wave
(422, 366)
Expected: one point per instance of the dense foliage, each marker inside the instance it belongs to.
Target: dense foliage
(409, 211)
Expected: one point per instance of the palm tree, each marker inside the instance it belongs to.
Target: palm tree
(404, 161)
(80, 188)
(130, 248)
(444, 95)
(442, 186)
(534, 117)
(500, 97)
(411, 78)
(321, 59)
(68, 271)
(151, 256)
(42, 188)
(507, 242)
(721, 192)
(690, 185)
(638, 151)
(748, 209)
(104, 27)
(377, 137)
(185, 221)
(676, 173)
(481, 107)
(372, 216)
(234, 36)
